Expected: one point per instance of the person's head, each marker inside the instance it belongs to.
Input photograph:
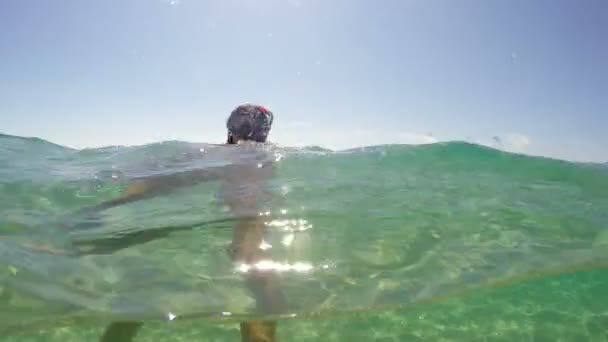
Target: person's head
(249, 122)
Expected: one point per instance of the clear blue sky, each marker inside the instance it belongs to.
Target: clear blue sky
(337, 73)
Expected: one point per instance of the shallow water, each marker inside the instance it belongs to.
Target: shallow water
(446, 241)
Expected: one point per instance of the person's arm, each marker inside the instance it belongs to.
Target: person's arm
(152, 186)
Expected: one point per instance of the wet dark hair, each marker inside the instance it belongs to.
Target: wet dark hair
(249, 122)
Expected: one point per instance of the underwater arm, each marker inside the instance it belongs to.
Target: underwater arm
(152, 186)
(141, 189)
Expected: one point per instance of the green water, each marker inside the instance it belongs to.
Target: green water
(442, 242)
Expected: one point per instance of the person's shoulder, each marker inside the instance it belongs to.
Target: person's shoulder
(258, 152)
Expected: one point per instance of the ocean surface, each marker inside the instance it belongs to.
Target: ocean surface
(439, 242)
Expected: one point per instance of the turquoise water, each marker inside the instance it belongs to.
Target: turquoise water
(451, 241)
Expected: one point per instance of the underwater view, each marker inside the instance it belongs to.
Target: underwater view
(303, 170)
(444, 242)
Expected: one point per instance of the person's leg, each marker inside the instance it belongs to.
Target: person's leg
(264, 285)
(121, 332)
(258, 331)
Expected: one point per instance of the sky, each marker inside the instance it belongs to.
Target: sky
(521, 75)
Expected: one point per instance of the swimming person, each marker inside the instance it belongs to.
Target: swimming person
(247, 124)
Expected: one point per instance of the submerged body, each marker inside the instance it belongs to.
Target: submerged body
(247, 123)
(248, 234)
